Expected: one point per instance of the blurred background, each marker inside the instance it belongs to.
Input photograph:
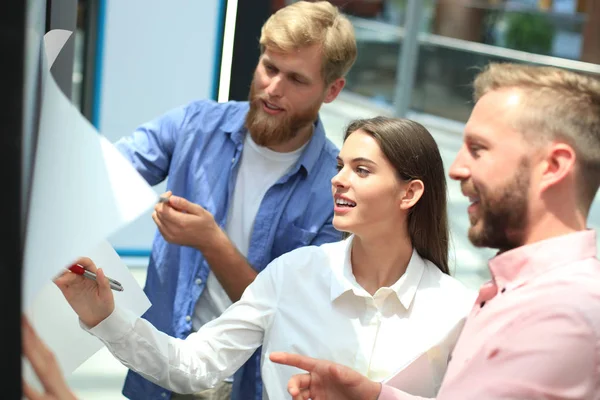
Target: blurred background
(415, 59)
(454, 37)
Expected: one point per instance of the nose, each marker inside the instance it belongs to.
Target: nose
(340, 180)
(275, 87)
(459, 169)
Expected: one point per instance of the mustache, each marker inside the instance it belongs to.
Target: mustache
(261, 97)
(468, 188)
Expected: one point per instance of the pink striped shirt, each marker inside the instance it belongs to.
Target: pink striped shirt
(534, 332)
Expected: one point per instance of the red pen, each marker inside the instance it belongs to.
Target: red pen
(79, 270)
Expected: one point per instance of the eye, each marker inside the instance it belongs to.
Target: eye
(298, 81)
(270, 68)
(339, 167)
(474, 149)
(362, 171)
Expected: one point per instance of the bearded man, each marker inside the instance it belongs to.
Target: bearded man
(247, 182)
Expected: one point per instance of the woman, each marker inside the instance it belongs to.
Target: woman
(380, 301)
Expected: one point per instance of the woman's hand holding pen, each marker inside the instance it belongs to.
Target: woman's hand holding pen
(91, 300)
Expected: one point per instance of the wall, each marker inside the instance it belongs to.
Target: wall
(152, 56)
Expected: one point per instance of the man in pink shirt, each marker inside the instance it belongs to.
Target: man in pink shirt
(530, 166)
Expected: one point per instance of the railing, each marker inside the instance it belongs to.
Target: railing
(445, 70)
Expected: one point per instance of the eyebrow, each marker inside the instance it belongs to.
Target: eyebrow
(475, 137)
(291, 74)
(359, 159)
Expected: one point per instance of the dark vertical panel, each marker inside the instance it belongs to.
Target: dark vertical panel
(12, 48)
(63, 15)
(89, 24)
(251, 15)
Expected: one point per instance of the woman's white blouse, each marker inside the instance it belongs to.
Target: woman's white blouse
(308, 302)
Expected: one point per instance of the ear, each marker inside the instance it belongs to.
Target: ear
(559, 162)
(412, 193)
(334, 89)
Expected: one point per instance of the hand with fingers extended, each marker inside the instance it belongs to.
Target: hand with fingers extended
(326, 380)
(92, 301)
(183, 222)
(45, 367)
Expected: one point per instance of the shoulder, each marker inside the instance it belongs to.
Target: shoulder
(568, 294)
(211, 106)
(324, 168)
(568, 332)
(328, 157)
(446, 292)
(447, 284)
(330, 150)
(309, 259)
(230, 116)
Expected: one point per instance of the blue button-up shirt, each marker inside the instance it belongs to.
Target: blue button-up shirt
(198, 147)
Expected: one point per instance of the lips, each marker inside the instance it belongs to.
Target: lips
(473, 200)
(468, 190)
(271, 108)
(342, 201)
(473, 207)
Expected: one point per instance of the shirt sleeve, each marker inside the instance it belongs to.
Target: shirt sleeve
(390, 393)
(151, 145)
(549, 354)
(205, 357)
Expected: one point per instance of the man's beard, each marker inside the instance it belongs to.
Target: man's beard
(503, 215)
(271, 130)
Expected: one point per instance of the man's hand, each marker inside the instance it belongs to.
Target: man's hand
(92, 301)
(187, 224)
(183, 222)
(326, 380)
(45, 366)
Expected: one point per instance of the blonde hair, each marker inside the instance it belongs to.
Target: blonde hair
(307, 23)
(558, 105)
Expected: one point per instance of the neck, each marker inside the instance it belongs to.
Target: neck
(379, 262)
(550, 227)
(558, 223)
(301, 137)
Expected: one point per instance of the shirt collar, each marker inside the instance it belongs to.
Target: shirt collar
(309, 157)
(234, 125)
(312, 152)
(343, 280)
(519, 265)
(406, 287)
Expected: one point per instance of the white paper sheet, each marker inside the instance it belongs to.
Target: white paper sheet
(58, 325)
(54, 42)
(83, 191)
(409, 377)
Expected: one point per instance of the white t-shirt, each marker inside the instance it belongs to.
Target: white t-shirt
(259, 169)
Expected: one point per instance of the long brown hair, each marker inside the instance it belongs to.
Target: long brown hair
(413, 152)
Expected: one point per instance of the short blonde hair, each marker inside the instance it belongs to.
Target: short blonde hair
(307, 23)
(558, 105)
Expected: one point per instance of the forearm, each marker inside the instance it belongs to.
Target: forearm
(229, 266)
(184, 366)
